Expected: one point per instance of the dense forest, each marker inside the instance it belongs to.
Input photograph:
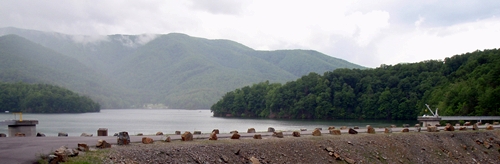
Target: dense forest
(43, 98)
(463, 85)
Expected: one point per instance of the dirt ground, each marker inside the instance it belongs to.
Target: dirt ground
(414, 147)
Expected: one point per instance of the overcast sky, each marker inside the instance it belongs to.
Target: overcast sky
(369, 33)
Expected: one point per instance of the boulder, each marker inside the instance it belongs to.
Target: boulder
(303, 129)
(356, 127)
(140, 134)
(159, 133)
(116, 134)
(479, 123)
(406, 125)
(62, 154)
(147, 140)
(343, 127)
(168, 139)
(496, 123)
(417, 125)
(462, 128)
(234, 131)
(123, 138)
(83, 147)
(418, 129)
(61, 134)
(235, 136)
(474, 127)
(296, 133)
(449, 127)
(316, 132)
(102, 144)
(187, 136)
(489, 127)
(18, 134)
(177, 132)
(86, 135)
(393, 126)
(335, 132)
(388, 130)
(270, 129)
(251, 130)
(197, 132)
(331, 127)
(257, 136)
(56, 159)
(213, 136)
(352, 131)
(457, 124)
(3, 135)
(278, 134)
(216, 131)
(432, 129)
(370, 129)
(467, 124)
(405, 130)
(319, 128)
(40, 134)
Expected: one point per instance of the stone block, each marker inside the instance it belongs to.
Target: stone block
(316, 132)
(187, 136)
(335, 132)
(147, 140)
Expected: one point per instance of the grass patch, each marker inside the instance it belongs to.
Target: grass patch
(90, 157)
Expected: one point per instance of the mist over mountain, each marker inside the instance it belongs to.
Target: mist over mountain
(129, 71)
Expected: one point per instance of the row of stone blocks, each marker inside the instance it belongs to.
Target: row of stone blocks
(124, 139)
(271, 129)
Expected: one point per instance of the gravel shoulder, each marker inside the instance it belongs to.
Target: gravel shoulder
(437, 147)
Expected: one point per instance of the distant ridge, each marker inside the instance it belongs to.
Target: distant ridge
(129, 71)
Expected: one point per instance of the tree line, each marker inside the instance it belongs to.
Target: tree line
(43, 98)
(462, 85)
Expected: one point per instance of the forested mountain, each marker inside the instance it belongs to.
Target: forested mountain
(463, 85)
(43, 98)
(128, 71)
(24, 61)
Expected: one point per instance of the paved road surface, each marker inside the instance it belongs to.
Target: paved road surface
(28, 149)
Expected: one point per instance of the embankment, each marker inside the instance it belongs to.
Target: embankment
(425, 147)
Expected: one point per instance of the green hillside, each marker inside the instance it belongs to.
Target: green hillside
(463, 85)
(24, 61)
(129, 71)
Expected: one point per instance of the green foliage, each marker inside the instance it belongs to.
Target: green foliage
(464, 85)
(43, 98)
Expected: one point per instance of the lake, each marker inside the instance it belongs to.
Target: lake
(150, 121)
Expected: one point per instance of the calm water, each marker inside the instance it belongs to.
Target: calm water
(150, 121)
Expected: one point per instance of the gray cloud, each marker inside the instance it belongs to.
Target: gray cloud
(229, 7)
(357, 31)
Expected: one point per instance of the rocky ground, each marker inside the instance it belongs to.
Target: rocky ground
(425, 147)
